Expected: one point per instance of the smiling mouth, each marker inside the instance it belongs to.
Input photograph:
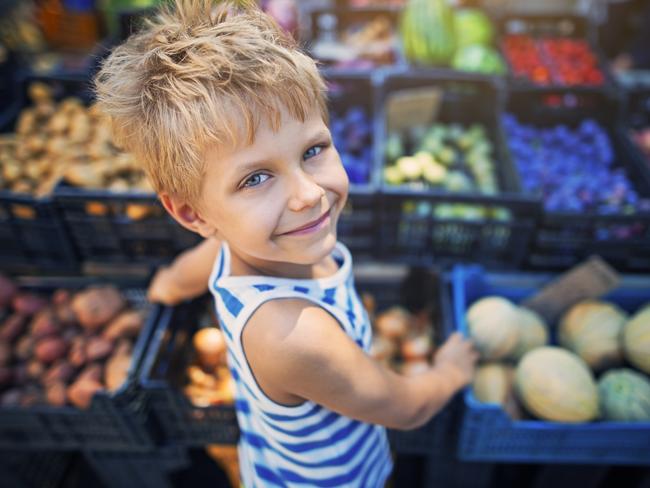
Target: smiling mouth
(310, 226)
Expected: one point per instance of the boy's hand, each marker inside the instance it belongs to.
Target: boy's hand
(163, 288)
(457, 359)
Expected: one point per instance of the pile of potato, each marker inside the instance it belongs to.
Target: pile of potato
(64, 140)
(62, 349)
(401, 340)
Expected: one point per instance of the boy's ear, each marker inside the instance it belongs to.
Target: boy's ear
(187, 216)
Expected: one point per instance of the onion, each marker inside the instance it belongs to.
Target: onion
(394, 323)
(417, 347)
(210, 347)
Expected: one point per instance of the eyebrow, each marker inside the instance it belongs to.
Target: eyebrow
(248, 166)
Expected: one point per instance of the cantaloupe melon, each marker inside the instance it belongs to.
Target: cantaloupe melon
(533, 332)
(636, 339)
(555, 384)
(493, 382)
(493, 325)
(592, 330)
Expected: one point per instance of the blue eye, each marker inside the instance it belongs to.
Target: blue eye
(312, 151)
(254, 180)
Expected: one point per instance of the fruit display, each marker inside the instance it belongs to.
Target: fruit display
(209, 381)
(624, 395)
(62, 348)
(572, 169)
(552, 61)
(434, 34)
(352, 136)
(64, 140)
(571, 383)
(443, 156)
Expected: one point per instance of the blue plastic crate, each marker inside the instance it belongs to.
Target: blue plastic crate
(487, 433)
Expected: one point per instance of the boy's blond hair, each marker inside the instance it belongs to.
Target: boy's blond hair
(198, 77)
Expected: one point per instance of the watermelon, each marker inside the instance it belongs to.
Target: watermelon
(480, 59)
(624, 395)
(472, 26)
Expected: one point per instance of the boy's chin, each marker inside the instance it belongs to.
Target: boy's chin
(317, 251)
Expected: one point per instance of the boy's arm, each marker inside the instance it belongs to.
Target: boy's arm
(299, 350)
(187, 277)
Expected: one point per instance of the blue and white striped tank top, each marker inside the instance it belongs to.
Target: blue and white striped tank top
(305, 445)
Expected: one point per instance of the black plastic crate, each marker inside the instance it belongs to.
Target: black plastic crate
(150, 469)
(184, 424)
(431, 225)
(566, 238)
(124, 227)
(33, 237)
(557, 26)
(343, 19)
(114, 420)
(34, 469)
(351, 98)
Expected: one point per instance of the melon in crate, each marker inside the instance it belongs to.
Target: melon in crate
(494, 383)
(493, 324)
(555, 384)
(533, 332)
(636, 339)
(624, 395)
(592, 330)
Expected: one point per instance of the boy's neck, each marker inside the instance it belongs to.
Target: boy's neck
(249, 266)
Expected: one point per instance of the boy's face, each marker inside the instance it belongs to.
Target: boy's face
(279, 199)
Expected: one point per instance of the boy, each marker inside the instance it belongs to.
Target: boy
(230, 121)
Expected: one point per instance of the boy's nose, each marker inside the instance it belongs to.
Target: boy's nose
(305, 192)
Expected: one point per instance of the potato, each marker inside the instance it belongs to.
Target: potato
(71, 105)
(12, 327)
(127, 324)
(92, 372)
(95, 307)
(24, 347)
(26, 122)
(81, 392)
(44, 110)
(60, 371)
(12, 171)
(35, 369)
(58, 124)
(79, 130)
(98, 348)
(117, 369)
(50, 349)
(60, 297)
(77, 354)
(44, 324)
(83, 175)
(28, 304)
(39, 92)
(56, 394)
(7, 291)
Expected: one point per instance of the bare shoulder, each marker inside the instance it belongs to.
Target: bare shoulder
(292, 322)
